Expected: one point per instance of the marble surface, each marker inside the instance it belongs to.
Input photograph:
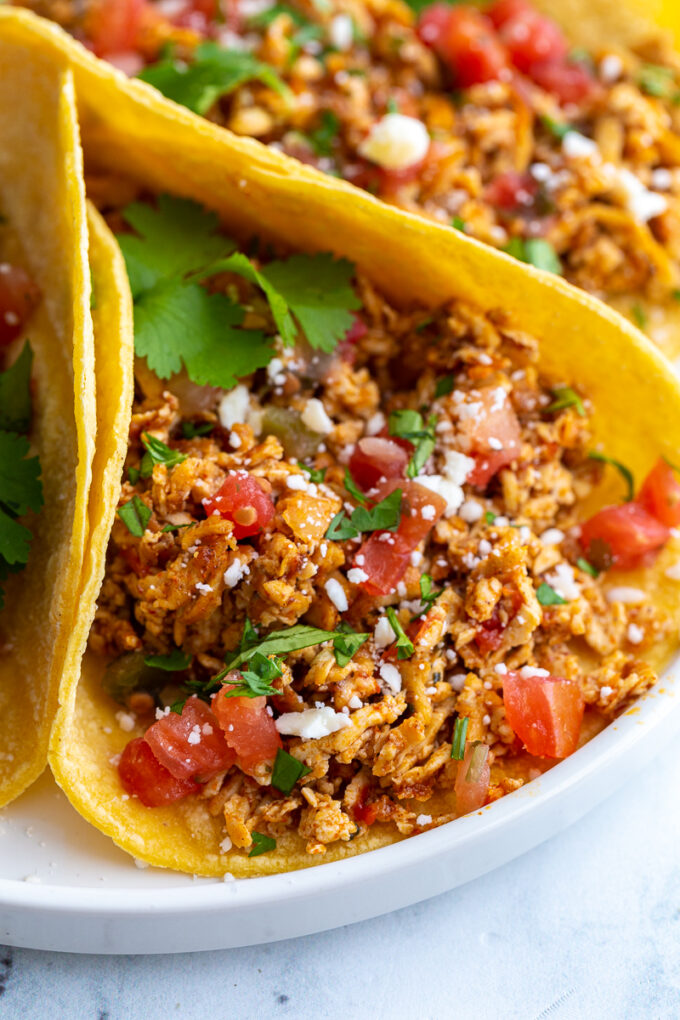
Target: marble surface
(587, 925)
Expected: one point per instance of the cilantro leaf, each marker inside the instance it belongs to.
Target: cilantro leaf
(15, 540)
(625, 472)
(353, 489)
(158, 452)
(242, 266)
(586, 567)
(566, 397)
(15, 393)
(318, 290)
(174, 661)
(547, 596)
(278, 642)
(444, 386)
(341, 528)
(316, 475)
(459, 734)
(190, 429)
(261, 844)
(427, 595)
(322, 138)
(409, 425)
(20, 486)
(384, 516)
(404, 644)
(135, 515)
(556, 128)
(346, 643)
(213, 72)
(287, 770)
(536, 251)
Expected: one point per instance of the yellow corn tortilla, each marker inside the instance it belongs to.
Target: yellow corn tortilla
(257, 191)
(42, 196)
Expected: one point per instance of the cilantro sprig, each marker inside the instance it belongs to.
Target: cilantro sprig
(384, 516)
(566, 397)
(547, 596)
(407, 424)
(158, 452)
(261, 844)
(174, 662)
(287, 770)
(135, 515)
(460, 729)
(347, 643)
(428, 596)
(15, 394)
(404, 645)
(20, 491)
(625, 472)
(536, 251)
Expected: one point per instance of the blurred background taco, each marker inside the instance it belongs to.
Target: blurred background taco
(551, 134)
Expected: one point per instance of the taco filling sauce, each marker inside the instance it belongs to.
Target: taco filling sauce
(350, 579)
(482, 118)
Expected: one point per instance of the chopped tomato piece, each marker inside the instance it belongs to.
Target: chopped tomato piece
(190, 744)
(504, 10)
(660, 494)
(114, 25)
(242, 499)
(392, 180)
(355, 331)
(18, 297)
(627, 535)
(248, 727)
(472, 780)
(490, 424)
(489, 634)
(466, 41)
(421, 509)
(143, 776)
(532, 39)
(567, 82)
(511, 191)
(375, 459)
(545, 712)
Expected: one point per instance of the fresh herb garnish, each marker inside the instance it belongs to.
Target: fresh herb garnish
(213, 72)
(323, 137)
(135, 515)
(346, 643)
(489, 516)
(353, 489)
(15, 393)
(656, 80)
(261, 844)
(384, 516)
(133, 475)
(278, 642)
(625, 472)
(566, 397)
(586, 567)
(21, 491)
(287, 770)
(556, 128)
(427, 594)
(173, 662)
(158, 452)
(316, 475)
(256, 681)
(639, 315)
(460, 728)
(190, 429)
(404, 644)
(458, 223)
(444, 386)
(547, 596)
(409, 425)
(536, 251)
(176, 527)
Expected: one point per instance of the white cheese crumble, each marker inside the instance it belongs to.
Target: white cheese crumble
(226, 845)
(315, 418)
(428, 512)
(610, 68)
(500, 668)
(355, 702)
(391, 677)
(341, 32)
(457, 681)
(451, 493)
(605, 691)
(297, 482)
(662, 178)
(375, 424)
(204, 588)
(356, 575)
(396, 142)
(494, 444)
(673, 572)
(561, 580)
(424, 820)
(233, 407)
(577, 146)
(312, 724)
(470, 511)
(457, 467)
(635, 634)
(529, 671)
(553, 536)
(629, 596)
(643, 204)
(234, 440)
(383, 635)
(336, 594)
(234, 573)
(195, 735)
(126, 721)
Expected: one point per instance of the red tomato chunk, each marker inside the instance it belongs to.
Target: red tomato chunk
(532, 39)
(243, 500)
(18, 297)
(472, 779)
(190, 744)
(248, 728)
(466, 41)
(511, 191)
(629, 533)
(143, 776)
(660, 494)
(568, 82)
(492, 431)
(114, 25)
(375, 459)
(545, 712)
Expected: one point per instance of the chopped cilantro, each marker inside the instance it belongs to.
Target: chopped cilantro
(341, 528)
(323, 137)
(625, 472)
(460, 729)
(404, 644)
(255, 682)
(566, 397)
(556, 128)
(134, 475)
(536, 251)
(489, 516)
(278, 642)
(158, 452)
(384, 516)
(586, 567)
(547, 596)
(15, 393)
(135, 515)
(263, 19)
(409, 425)
(287, 770)
(176, 527)
(656, 80)
(639, 315)
(213, 72)
(353, 489)
(190, 430)
(346, 643)
(458, 223)
(444, 386)
(316, 475)
(427, 595)
(173, 662)
(261, 844)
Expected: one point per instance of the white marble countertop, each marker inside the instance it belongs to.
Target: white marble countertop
(587, 925)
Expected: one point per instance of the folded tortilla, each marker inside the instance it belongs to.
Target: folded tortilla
(257, 192)
(42, 198)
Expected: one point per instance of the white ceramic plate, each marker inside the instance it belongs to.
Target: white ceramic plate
(67, 887)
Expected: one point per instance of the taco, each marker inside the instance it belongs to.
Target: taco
(47, 406)
(372, 565)
(484, 119)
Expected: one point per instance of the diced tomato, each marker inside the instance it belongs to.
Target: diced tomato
(472, 780)
(568, 82)
(356, 331)
(248, 727)
(532, 39)
(489, 634)
(191, 744)
(504, 10)
(489, 421)
(391, 181)
(466, 41)
(511, 191)
(660, 494)
(114, 25)
(375, 458)
(385, 555)
(545, 712)
(143, 776)
(18, 297)
(626, 533)
(242, 499)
